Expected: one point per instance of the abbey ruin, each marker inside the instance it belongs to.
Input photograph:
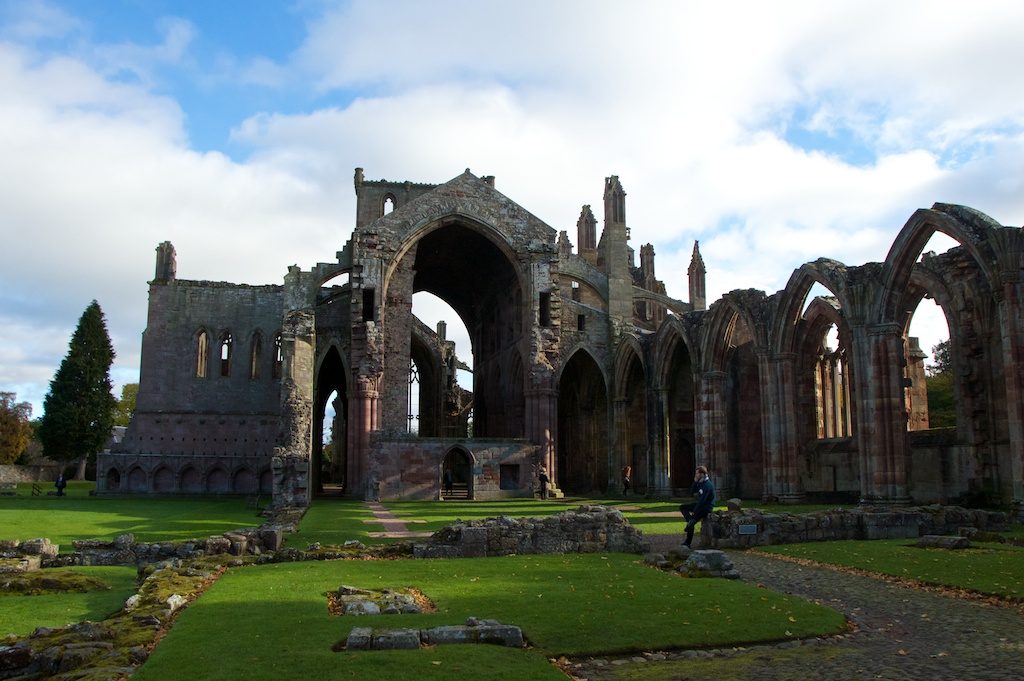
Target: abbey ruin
(581, 364)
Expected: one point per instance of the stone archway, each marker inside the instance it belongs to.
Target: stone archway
(459, 261)
(331, 380)
(459, 463)
(582, 427)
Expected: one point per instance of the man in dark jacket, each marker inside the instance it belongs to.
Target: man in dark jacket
(704, 493)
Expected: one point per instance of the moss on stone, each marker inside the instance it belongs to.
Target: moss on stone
(48, 582)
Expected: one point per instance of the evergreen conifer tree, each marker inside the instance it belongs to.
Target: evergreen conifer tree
(78, 411)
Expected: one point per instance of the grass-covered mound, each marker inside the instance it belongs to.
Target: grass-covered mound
(41, 582)
(272, 621)
(22, 613)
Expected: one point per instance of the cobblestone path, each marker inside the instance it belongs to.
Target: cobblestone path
(902, 634)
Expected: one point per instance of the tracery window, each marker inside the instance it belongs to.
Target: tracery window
(832, 389)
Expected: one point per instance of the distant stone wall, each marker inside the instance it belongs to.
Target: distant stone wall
(744, 529)
(410, 468)
(13, 473)
(183, 474)
(588, 529)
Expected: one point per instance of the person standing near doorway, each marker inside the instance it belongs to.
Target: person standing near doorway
(542, 476)
(627, 473)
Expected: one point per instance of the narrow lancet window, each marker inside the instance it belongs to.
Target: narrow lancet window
(226, 343)
(257, 352)
(202, 352)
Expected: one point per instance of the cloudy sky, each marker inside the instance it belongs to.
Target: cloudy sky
(775, 133)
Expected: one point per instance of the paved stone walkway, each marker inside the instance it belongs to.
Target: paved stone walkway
(394, 527)
(902, 635)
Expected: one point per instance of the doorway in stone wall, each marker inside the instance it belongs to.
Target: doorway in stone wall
(330, 437)
(457, 474)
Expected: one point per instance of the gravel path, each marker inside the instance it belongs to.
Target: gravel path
(902, 634)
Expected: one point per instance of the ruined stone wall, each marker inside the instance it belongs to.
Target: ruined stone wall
(410, 468)
(180, 414)
(586, 529)
(745, 529)
(183, 474)
(14, 473)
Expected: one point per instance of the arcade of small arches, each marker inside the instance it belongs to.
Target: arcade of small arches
(189, 479)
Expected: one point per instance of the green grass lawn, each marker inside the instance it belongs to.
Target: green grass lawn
(62, 519)
(22, 614)
(989, 569)
(271, 622)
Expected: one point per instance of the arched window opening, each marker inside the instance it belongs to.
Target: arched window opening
(226, 343)
(442, 403)
(831, 387)
(256, 353)
(929, 374)
(202, 352)
(389, 204)
(278, 357)
(576, 290)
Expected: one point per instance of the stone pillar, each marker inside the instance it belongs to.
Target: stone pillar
(619, 436)
(778, 425)
(658, 476)
(711, 438)
(290, 463)
(364, 418)
(882, 420)
(917, 390)
(542, 427)
(1011, 326)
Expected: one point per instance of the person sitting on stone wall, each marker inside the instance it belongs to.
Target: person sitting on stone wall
(704, 493)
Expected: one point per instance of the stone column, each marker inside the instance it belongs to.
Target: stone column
(658, 476)
(711, 438)
(364, 418)
(542, 427)
(290, 463)
(778, 423)
(882, 419)
(1011, 326)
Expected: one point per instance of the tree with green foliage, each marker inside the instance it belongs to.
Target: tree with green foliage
(15, 427)
(126, 405)
(78, 412)
(939, 379)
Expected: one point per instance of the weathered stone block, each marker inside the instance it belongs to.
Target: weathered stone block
(360, 638)
(396, 639)
(934, 541)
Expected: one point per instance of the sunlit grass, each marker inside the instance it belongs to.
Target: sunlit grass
(22, 614)
(62, 519)
(989, 568)
(572, 605)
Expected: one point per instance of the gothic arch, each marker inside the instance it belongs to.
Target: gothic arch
(971, 228)
(783, 336)
(582, 461)
(670, 333)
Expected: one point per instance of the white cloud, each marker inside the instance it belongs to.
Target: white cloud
(692, 105)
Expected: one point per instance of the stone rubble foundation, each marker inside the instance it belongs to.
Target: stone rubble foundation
(473, 631)
(588, 529)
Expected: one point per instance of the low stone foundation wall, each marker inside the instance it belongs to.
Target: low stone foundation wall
(588, 529)
(743, 529)
(125, 550)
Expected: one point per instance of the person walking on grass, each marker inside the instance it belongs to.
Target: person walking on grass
(704, 495)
